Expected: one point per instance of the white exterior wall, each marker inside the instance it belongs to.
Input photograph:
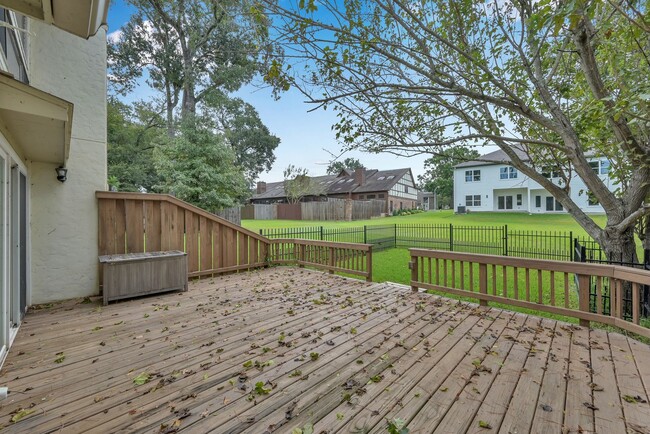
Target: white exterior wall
(64, 216)
(491, 186)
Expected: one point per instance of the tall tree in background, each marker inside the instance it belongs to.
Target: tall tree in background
(132, 136)
(198, 167)
(194, 54)
(335, 167)
(439, 175)
(550, 83)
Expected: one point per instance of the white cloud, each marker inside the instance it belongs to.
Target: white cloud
(115, 36)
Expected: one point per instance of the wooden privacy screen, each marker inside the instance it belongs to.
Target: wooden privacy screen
(542, 285)
(136, 222)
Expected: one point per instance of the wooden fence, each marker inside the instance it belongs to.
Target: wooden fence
(137, 223)
(331, 210)
(542, 285)
(233, 215)
(350, 258)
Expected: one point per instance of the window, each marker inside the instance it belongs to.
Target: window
(520, 200)
(381, 178)
(550, 172)
(472, 175)
(370, 196)
(406, 189)
(508, 173)
(473, 200)
(600, 167)
(504, 202)
(538, 201)
(553, 205)
(604, 167)
(549, 203)
(390, 177)
(380, 195)
(361, 196)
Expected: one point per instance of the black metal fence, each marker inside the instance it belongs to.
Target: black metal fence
(492, 240)
(588, 250)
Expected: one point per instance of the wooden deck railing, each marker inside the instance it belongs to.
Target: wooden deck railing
(350, 258)
(137, 222)
(542, 285)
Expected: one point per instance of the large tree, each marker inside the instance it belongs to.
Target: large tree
(439, 172)
(133, 132)
(335, 167)
(551, 83)
(198, 167)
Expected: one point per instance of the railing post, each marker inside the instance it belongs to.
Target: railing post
(583, 296)
(505, 240)
(413, 265)
(321, 233)
(369, 264)
(571, 251)
(482, 282)
(395, 236)
(451, 237)
(365, 234)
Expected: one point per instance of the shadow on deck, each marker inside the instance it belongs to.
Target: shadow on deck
(280, 348)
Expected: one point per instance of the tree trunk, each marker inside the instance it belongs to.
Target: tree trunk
(619, 246)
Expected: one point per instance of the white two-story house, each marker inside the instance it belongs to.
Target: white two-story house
(491, 184)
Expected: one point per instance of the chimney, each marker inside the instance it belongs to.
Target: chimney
(261, 187)
(360, 175)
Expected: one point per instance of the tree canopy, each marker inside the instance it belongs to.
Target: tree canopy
(335, 167)
(439, 175)
(550, 83)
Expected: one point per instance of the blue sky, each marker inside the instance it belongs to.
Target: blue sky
(303, 134)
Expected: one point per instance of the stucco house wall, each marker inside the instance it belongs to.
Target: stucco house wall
(64, 215)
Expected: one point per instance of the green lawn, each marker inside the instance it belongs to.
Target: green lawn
(517, 221)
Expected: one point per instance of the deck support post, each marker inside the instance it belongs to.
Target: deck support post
(413, 266)
(369, 264)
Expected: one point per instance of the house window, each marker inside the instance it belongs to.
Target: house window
(504, 202)
(520, 200)
(508, 173)
(549, 203)
(473, 200)
(361, 196)
(472, 175)
(380, 195)
(594, 166)
(391, 206)
(550, 172)
(604, 167)
(370, 196)
(538, 201)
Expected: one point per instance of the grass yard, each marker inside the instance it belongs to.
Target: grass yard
(517, 221)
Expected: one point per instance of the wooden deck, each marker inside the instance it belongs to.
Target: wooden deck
(280, 348)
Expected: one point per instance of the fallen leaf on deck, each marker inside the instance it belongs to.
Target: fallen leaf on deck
(21, 414)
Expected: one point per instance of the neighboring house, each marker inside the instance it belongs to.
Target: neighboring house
(427, 201)
(491, 184)
(52, 115)
(396, 187)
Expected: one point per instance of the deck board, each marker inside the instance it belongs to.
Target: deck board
(384, 352)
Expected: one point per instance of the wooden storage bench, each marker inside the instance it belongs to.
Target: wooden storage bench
(136, 274)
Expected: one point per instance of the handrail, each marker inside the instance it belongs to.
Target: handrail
(542, 285)
(350, 258)
(143, 222)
